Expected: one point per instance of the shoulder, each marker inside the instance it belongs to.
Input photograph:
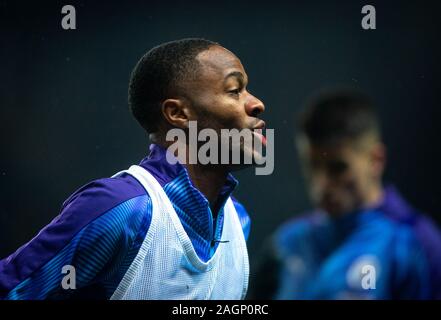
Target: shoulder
(244, 217)
(103, 194)
(426, 239)
(414, 226)
(410, 220)
(428, 234)
(403, 242)
(104, 205)
(93, 218)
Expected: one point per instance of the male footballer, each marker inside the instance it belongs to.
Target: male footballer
(161, 229)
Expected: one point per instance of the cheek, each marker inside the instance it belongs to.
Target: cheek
(355, 187)
(348, 186)
(364, 174)
(220, 110)
(229, 117)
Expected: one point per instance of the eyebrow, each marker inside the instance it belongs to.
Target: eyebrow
(237, 74)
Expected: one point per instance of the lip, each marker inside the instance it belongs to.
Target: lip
(258, 130)
(260, 125)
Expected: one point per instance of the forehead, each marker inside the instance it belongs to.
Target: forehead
(217, 62)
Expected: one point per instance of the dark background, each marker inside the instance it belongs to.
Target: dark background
(63, 94)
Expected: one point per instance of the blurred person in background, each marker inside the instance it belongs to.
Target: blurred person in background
(362, 240)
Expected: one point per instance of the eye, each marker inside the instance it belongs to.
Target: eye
(235, 92)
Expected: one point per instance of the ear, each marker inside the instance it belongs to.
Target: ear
(176, 112)
(379, 159)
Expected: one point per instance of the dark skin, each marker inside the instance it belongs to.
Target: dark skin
(216, 98)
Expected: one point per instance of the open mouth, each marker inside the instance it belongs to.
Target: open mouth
(260, 136)
(258, 131)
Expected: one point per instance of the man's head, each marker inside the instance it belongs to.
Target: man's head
(192, 80)
(340, 145)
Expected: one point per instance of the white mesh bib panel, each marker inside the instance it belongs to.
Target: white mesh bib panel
(167, 266)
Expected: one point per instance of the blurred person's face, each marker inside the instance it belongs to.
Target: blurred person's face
(344, 177)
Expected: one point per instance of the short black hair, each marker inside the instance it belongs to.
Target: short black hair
(158, 74)
(333, 116)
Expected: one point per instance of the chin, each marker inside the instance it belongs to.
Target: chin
(252, 154)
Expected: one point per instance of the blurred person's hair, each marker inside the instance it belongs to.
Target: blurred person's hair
(339, 115)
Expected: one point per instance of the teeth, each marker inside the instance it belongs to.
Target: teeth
(258, 132)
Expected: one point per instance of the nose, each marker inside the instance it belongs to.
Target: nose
(254, 106)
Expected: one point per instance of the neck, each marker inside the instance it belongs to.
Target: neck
(375, 196)
(209, 181)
